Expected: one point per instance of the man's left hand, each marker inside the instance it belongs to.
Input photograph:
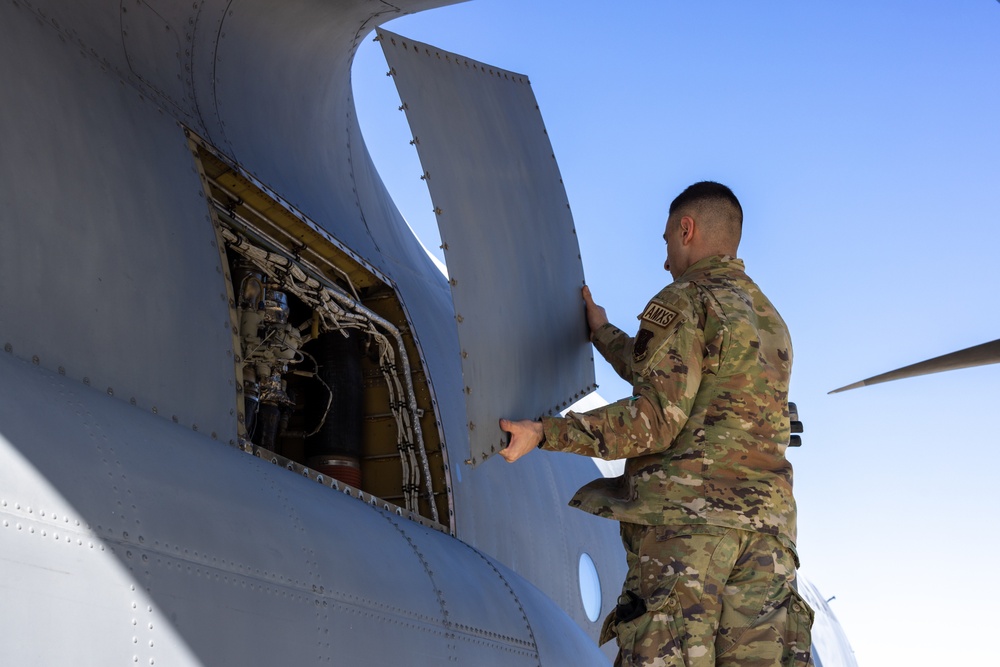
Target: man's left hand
(597, 317)
(524, 437)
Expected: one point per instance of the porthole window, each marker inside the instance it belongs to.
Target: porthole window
(590, 587)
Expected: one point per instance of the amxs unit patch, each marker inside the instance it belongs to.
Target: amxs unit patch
(660, 315)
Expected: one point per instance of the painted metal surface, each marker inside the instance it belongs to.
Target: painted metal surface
(99, 542)
(118, 286)
(511, 248)
(159, 543)
(104, 230)
(830, 645)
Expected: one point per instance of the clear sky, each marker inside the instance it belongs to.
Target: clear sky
(863, 139)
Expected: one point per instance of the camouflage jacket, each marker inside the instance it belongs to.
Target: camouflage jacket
(705, 431)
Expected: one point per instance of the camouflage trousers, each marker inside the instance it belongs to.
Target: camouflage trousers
(696, 596)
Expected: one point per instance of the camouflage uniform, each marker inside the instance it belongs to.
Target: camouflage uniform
(708, 518)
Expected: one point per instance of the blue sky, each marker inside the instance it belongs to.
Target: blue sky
(863, 140)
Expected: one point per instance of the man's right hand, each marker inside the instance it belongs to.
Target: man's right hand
(597, 317)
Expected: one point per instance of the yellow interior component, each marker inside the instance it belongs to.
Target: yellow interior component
(381, 467)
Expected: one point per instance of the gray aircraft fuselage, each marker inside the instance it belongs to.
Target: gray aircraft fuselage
(136, 519)
(193, 239)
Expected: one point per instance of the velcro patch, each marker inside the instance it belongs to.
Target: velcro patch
(641, 344)
(660, 315)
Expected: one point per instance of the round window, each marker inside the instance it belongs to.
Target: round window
(590, 587)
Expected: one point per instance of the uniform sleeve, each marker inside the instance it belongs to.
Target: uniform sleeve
(616, 347)
(667, 355)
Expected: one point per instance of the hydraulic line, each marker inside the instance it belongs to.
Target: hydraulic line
(232, 215)
(339, 310)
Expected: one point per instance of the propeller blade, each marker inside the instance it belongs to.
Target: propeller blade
(977, 355)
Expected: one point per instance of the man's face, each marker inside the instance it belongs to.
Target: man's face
(676, 261)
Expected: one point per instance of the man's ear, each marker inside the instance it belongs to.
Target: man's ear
(688, 225)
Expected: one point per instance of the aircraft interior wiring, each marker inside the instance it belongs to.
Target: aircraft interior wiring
(329, 379)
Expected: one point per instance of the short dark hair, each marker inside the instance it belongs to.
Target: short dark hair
(707, 191)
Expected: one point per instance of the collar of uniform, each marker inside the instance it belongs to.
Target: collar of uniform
(715, 265)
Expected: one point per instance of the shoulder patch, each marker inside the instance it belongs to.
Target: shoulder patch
(641, 344)
(659, 315)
